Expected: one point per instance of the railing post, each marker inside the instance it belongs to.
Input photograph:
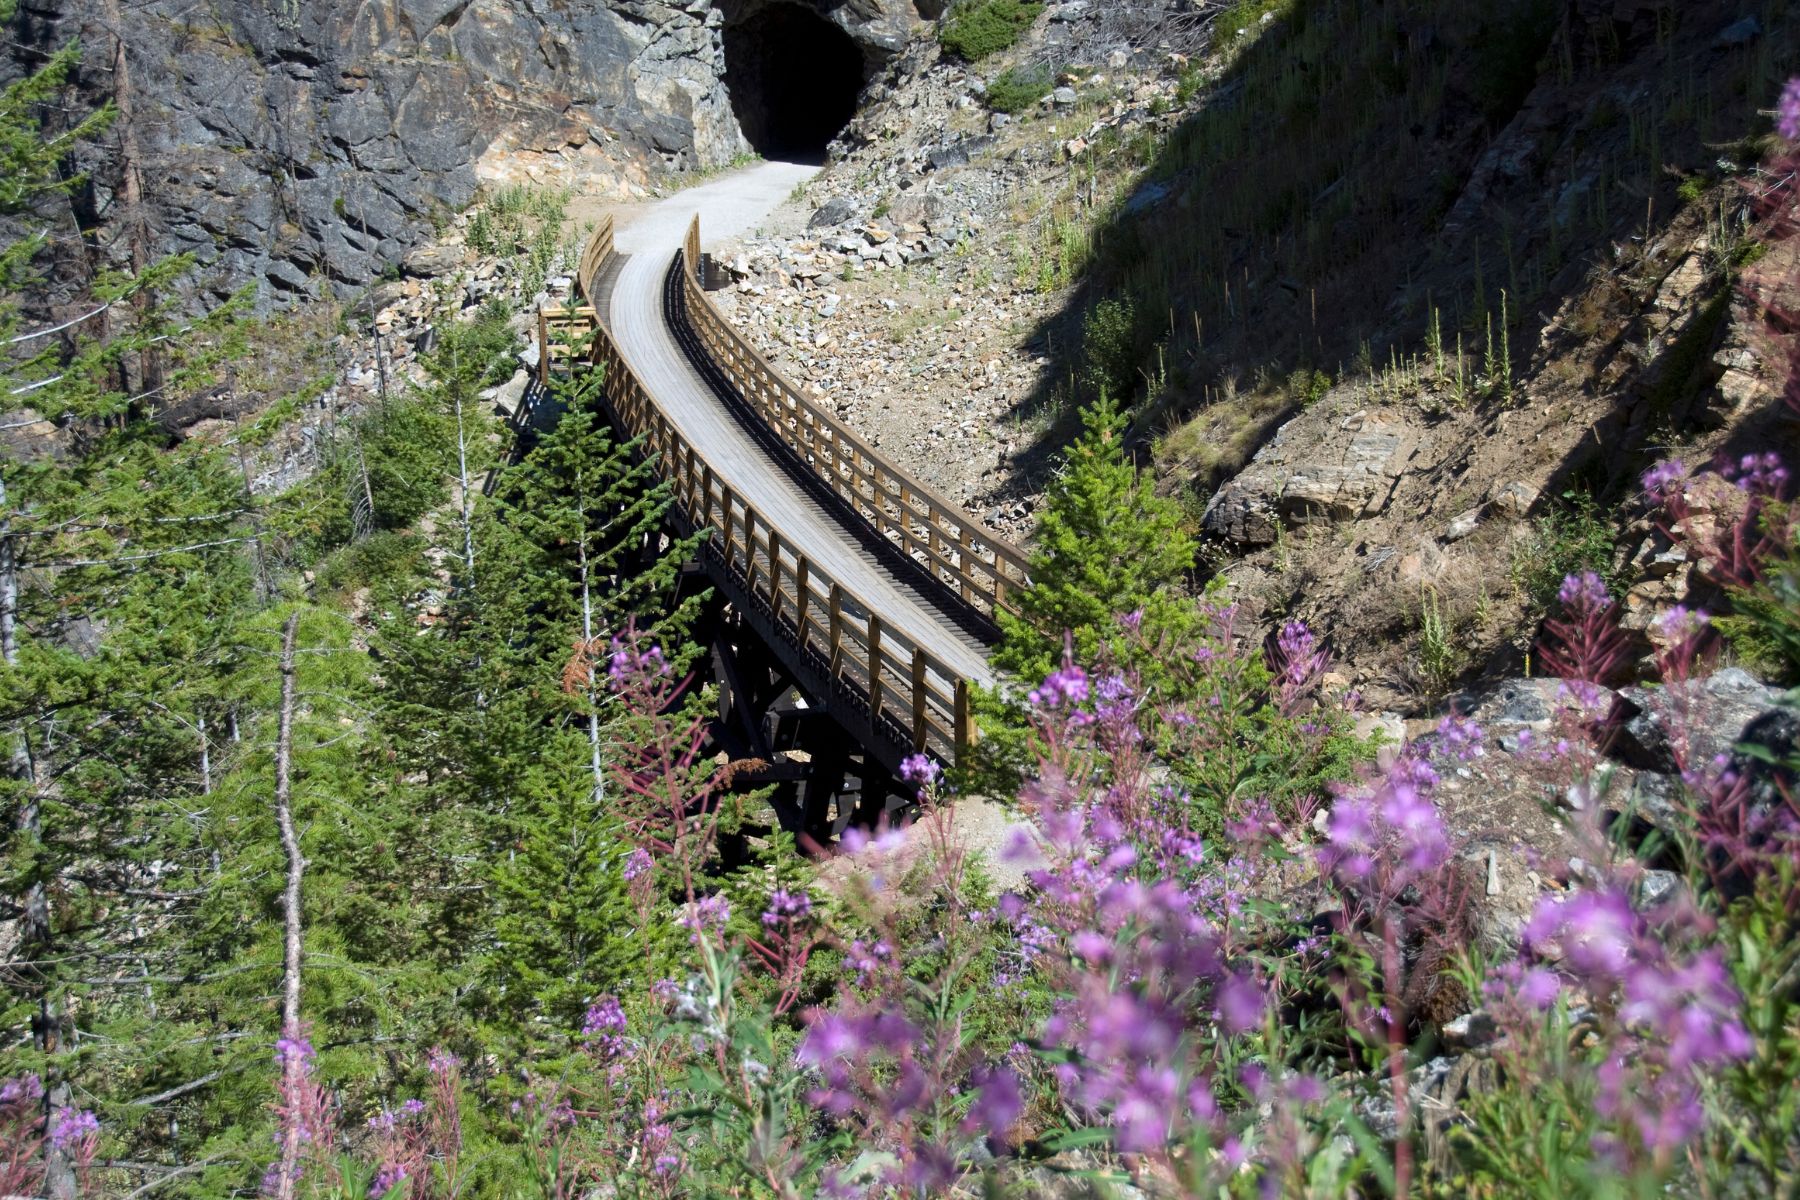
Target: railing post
(837, 629)
(775, 576)
(918, 700)
(802, 594)
(725, 503)
(543, 349)
(749, 549)
(874, 670)
(966, 732)
(963, 557)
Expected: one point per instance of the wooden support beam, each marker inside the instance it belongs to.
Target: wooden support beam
(802, 597)
(749, 549)
(725, 503)
(775, 575)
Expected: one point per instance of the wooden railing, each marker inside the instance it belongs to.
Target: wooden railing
(906, 696)
(559, 329)
(941, 537)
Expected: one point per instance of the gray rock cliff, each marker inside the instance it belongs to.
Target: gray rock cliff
(308, 145)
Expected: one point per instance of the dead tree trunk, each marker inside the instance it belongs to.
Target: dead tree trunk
(293, 1065)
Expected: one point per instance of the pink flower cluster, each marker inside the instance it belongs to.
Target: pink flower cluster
(603, 1028)
(1671, 1016)
(1787, 111)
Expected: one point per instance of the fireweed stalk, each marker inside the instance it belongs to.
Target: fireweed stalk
(1165, 1034)
(26, 1133)
(1623, 1008)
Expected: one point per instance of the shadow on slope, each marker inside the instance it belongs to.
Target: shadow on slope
(1367, 171)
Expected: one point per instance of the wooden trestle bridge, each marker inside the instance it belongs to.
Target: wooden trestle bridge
(871, 596)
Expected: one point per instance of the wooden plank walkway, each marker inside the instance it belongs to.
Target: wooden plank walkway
(882, 628)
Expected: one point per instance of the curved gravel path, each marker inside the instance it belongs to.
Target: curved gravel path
(729, 206)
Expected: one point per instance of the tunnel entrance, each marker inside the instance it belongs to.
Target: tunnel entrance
(793, 77)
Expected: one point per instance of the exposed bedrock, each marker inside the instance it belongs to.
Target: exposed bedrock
(309, 144)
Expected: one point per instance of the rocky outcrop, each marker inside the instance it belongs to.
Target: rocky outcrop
(1312, 471)
(309, 146)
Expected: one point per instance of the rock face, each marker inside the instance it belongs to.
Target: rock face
(307, 146)
(1307, 475)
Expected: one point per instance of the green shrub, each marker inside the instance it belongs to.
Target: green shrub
(385, 555)
(1574, 537)
(1015, 89)
(1764, 626)
(1307, 386)
(978, 30)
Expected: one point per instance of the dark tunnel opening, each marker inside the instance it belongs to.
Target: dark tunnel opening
(794, 78)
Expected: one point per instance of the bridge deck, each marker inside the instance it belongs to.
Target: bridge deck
(634, 313)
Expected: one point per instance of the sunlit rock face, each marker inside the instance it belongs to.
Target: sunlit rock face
(308, 144)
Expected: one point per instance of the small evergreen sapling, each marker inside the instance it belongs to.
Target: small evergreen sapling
(1108, 545)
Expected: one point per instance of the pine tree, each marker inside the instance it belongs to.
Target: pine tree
(479, 727)
(1107, 546)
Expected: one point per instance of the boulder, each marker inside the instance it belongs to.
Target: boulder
(1716, 712)
(428, 262)
(836, 211)
(1311, 472)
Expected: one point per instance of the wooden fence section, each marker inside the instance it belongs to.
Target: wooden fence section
(940, 536)
(882, 683)
(560, 330)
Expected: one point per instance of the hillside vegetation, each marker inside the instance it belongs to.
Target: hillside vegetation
(1391, 791)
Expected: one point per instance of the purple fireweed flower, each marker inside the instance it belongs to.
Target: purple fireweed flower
(1787, 111)
(838, 1036)
(442, 1062)
(386, 1180)
(1241, 1004)
(1114, 702)
(998, 1103)
(865, 961)
(1299, 663)
(631, 663)
(21, 1089)
(885, 840)
(1585, 592)
(69, 1127)
(1681, 622)
(295, 1047)
(1420, 833)
(1594, 930)
(1539, 988)
(413, 1107)
(707, 915)
(1457, 737)
(1758, 474)
(1065, 687)
(637, 865)
(920, 771)
(604, 1027)
(1350, 838)
(786, 906)
(1664, 479)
